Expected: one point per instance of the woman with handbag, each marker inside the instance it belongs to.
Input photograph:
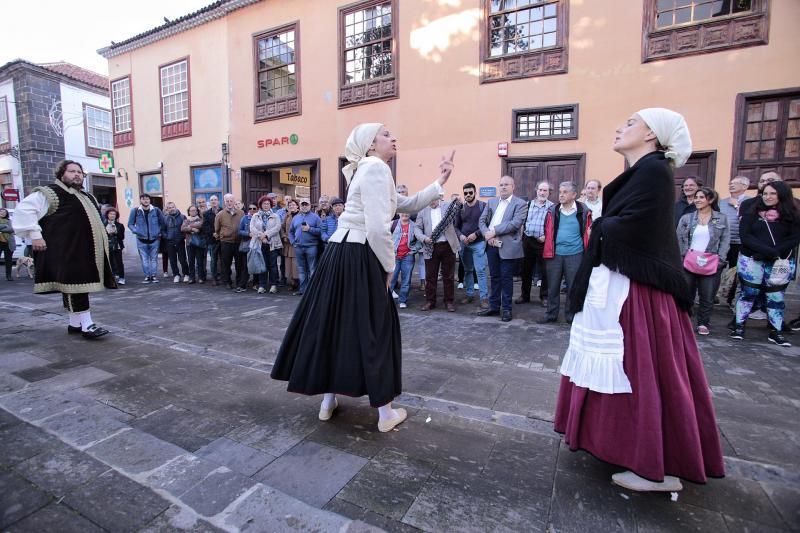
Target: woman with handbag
(292, 276)
(265, 229)
(7, 241)
(633, 389)
(196, 245)
(704, 239)
(770, 232)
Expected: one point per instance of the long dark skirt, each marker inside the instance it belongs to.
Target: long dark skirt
(667, 426)
(344, 337)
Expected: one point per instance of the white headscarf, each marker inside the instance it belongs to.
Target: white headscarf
(672, 132)
(358, 143)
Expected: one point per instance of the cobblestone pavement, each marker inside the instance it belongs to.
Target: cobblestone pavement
(172, 423)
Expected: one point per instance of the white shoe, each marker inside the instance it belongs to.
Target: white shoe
(395, 295)
(476, 287)
(388, 425)
(176, 279)
(460, 285)
(403, 306)
(631, 481)
(273, 290)
(758, 315)
(121, 281)
(166, 274)
(326, 414)
(186, 279)
(261, 290)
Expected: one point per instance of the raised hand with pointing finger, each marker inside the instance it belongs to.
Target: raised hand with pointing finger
(446, 168)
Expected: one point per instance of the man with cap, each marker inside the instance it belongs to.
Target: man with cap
(304, 234)
(331, 222)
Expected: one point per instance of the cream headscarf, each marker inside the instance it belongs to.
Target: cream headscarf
(358, 143)
(672, 132)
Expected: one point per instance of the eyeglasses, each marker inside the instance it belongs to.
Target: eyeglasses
(469, 193)
(252, 208)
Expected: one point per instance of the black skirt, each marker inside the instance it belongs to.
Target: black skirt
(344, 337)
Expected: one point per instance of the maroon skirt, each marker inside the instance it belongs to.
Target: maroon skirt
(667, 425)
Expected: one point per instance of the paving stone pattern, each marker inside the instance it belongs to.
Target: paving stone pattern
(173, 424)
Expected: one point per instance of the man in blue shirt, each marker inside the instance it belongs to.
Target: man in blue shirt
(331, 222)
(305, 234)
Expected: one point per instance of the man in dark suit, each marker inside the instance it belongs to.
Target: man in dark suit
(501, 224)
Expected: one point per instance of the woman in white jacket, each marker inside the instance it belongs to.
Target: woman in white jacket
(344, 337)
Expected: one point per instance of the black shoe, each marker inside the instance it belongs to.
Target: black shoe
(794, 325)
(94, 331)
(297, 293)
(9, 278)
(546, 321)
(489, 312)
(737, 332)
(229, 286)
(241, 289)
(74, 329)
(777, 337)
(506, 316)
(522, 300)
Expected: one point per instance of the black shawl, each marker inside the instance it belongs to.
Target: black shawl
(636, 234)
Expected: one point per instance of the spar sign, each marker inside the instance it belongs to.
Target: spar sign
(278, 141)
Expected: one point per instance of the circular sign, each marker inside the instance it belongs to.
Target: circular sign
(11, 195)
(293, 138)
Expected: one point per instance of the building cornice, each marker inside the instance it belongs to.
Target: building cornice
(205, 15)
(9, 69)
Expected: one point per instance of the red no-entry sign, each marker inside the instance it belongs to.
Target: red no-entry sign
(11, 195)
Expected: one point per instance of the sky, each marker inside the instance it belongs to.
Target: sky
(47, 31)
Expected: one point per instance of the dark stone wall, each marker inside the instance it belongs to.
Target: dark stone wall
(40, 148)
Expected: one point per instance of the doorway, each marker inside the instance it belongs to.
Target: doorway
(529, 171)
(702, 165)
(298, 179)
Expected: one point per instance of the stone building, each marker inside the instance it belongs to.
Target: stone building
(49, 112)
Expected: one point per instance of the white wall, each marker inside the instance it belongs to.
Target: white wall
(72, 100)
(6, 161)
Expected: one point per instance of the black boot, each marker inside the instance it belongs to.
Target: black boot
(737, 332)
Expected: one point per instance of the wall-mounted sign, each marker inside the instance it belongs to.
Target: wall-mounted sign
(106, 162)
(278, 141)
(487, 192)
(11, 195)
(295, 175)
(502, 149)
(152, 184)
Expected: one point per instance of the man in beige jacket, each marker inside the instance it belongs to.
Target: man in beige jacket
(226, 229)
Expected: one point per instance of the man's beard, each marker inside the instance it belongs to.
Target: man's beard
(78, 185)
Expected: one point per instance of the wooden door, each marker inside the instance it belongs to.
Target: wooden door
(529, 171)
(257, 183)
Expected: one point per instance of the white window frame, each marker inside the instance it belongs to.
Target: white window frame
(177, 84)
(121, 105)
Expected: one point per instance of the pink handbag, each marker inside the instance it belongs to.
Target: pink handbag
(701, 263)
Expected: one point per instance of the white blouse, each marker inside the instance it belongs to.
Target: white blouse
(372, 202)
(700, 238)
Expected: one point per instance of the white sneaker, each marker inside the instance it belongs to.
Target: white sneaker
(261, 290)
(476, 287)
(403, 306)
(273, 290)
(176, 279)
(395, 295)
(166, 274)
(121, 281)
(186, 279)
(758, 315)
(460, 285)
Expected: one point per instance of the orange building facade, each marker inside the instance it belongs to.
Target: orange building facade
(251, 96)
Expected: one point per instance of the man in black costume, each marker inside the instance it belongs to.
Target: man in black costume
(70, 245)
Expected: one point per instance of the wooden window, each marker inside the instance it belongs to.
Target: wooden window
(768, 135)
(545, 123)
(175, 100)
(5, 129)
(277, 56)
(368, 52)
(97, 130)
(676, 28)
(122, 111)
(523, 38)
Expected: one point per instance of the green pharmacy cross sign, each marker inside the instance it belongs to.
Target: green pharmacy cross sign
(106, 162)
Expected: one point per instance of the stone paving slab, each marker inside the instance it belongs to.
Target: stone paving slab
(134, 451)
(54, 517)
(477, 453)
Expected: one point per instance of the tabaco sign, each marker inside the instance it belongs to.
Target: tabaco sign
(278, 141)
(295, 176)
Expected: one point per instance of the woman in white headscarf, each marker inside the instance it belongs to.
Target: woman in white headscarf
(344, 337)
(633, 388)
